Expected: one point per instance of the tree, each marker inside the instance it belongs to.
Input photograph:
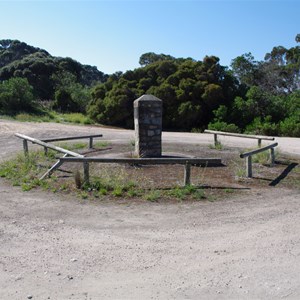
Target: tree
(151, 57)
(16, 95)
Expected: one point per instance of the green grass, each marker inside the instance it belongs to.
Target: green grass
(217, 146)
(50, 116)
(152, 196)
(111, 182)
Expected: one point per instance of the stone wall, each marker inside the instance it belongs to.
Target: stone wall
(148, 126)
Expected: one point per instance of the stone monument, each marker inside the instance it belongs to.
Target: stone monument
(148, 126)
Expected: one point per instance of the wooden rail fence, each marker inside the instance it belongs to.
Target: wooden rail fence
(187, 162)
(248, 136)
(70, 156)
(90, 137)
(248, 156)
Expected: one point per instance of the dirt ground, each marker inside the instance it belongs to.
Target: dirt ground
(245, 246)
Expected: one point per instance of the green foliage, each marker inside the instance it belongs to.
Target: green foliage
(17, 59)
(253, 96)
(16, 95)
(223, 126)
(190, 91)
(262, 127)
(153, 196)
(290, 126)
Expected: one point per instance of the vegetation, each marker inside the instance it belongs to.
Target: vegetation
(110, 183)
(260, 97)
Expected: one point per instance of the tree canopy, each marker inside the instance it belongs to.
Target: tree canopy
(252, 96)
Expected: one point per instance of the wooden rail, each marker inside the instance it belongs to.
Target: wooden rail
(90, 137)
(187, 162)
(43, 144)
(248, 136)
(46, 145)
(248, 156)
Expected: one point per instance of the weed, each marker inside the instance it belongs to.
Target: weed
(72, 146)
(101, 144)
(26, 187)
(84, 195)
(118, 191)
(103, 191)
(217, 146)
(261, 158)
(199, 194)
(152, 196)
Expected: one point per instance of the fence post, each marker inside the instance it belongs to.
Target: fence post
(216, 139)
(25, 147)
(86, 172)
(46, 151)
(259, 143)
(272, 153)
(249, 166)
(91, 143)
(187, 174)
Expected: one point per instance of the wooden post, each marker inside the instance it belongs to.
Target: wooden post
(216, 139)
(187, 174)
(259, 143)
(91, 143)
(25, 147)
(86, 172)
(272, 153)
(46, 151)
(249, 166)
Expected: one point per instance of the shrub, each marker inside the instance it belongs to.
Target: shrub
(290, 126)
(16, 95)
(223, 126)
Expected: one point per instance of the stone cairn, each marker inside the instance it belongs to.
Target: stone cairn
(148, 126)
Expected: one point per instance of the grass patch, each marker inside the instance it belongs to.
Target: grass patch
(50, 116)
(108, 182)
(217, 146)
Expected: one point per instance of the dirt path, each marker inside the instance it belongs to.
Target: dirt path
(51, 248)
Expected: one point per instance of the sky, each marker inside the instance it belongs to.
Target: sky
(113, 34)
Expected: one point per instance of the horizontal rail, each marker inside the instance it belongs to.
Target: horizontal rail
(154, 161)
(246, 154)
(187, 162)
(258, 137)
(47, 145)
(71, 138)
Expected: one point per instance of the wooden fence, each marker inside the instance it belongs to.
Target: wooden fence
(90, 137)
(70, 156)
(187, 162)
(248, 136)
(248, 156)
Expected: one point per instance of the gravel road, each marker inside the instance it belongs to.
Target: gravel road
(244, 247)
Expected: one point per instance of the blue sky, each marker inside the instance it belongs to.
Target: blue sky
(112, 35)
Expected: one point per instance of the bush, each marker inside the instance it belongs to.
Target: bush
(264, 127)
(223, 126)
(16, 95)
(290, 126)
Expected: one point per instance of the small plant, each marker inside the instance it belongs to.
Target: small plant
(73, 146)
(261, 158)
(177, 192)
(217, 146)
(199, 194)
(84, 195)
(101, 144)
(152, 196)
(103, 191)
(118, 191)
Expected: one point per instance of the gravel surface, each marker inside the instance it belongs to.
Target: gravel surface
(243, 247)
